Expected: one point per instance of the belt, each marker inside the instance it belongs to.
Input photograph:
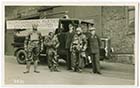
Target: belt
(33, 40)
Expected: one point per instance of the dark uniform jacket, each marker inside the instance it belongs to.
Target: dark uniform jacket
(93, 44)
(69, 37)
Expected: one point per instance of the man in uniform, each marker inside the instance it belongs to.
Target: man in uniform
(51, 42)
(78, 47)
(93, 47)
(33, 46)
(69, 37)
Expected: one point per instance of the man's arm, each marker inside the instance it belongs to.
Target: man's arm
(27, 38)
(84, 43)
(57, 42)
(40, 40)
(99, 40)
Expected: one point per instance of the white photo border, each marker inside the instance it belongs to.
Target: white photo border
(73, 4)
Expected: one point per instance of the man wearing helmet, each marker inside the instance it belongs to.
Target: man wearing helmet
(33, 45)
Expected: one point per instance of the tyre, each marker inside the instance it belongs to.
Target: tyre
(21, 56)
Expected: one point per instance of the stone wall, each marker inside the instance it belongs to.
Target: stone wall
(115, 25)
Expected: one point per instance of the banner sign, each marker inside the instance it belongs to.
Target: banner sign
(27, 24)
(44, 25)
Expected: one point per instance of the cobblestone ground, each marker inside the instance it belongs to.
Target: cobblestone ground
(112, 74)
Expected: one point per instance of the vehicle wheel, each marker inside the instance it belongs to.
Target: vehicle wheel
(21, 56)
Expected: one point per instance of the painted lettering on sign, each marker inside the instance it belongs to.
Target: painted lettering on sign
(27, 24)
(44, 25)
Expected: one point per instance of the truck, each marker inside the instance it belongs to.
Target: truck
(23, 27)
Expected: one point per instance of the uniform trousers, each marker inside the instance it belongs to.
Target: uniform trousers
(95, 62)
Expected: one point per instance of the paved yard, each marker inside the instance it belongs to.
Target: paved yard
(112, 74)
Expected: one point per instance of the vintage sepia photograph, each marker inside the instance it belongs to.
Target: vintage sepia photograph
(69, 45)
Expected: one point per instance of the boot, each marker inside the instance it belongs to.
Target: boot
(37, 71)
(55, 69)
(26, 72)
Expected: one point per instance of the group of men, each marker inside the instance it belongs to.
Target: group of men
(80, 45)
